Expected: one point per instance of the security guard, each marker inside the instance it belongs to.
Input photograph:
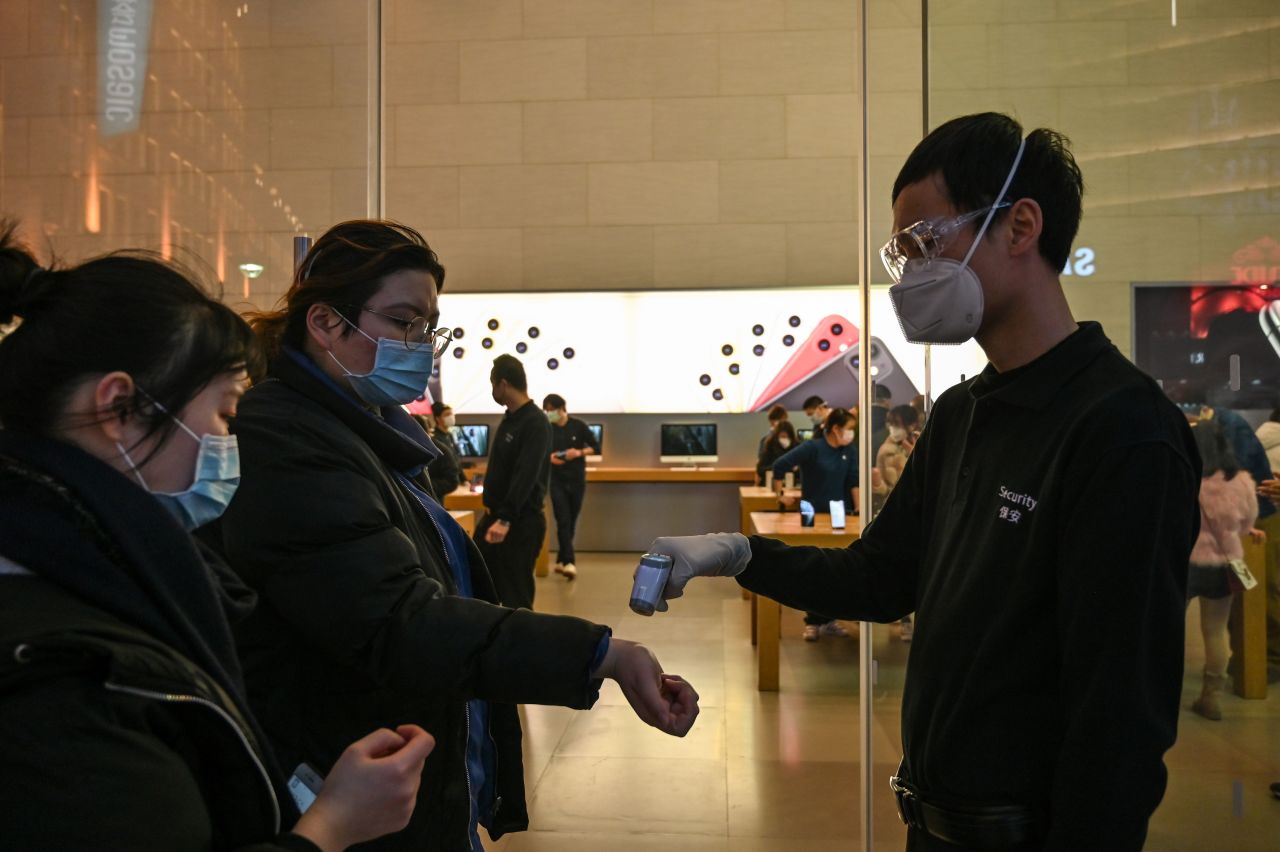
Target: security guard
(1041, 527)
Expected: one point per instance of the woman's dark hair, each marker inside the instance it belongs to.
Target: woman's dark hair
(905, 416)
(129, 311)
(344, 268)
(838, 418)
(1215, 450)
(973, 154)
(777, 414)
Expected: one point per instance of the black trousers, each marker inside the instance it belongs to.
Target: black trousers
(566, 505)
(511, 563)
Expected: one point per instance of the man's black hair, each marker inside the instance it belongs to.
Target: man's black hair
(883, 394)
(509, 367)
(813, 402)
(973, 155)
(553, 402)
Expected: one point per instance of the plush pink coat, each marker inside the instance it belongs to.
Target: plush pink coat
(1228, 510)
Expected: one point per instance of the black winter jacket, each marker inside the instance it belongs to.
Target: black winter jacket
(357, 624)
(112, 735)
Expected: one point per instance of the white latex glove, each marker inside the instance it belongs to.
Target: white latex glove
(710, 555)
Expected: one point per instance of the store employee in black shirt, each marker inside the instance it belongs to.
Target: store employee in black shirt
(571, 442)
(1041, 527)
(515, 486)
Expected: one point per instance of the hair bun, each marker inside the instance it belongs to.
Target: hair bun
(20, 274)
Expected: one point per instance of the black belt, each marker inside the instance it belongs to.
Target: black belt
(987, 827)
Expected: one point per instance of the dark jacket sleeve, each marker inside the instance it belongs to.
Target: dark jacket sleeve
(532, 461)
(1121, 617)
(793, 458)
(80, 773)
(873, 579)
(312, 532)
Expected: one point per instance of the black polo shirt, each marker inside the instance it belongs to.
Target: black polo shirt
(1041, 532)
(573, 435)
(515, 482)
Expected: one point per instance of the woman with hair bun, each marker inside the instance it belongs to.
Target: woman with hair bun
(123, 717)
(376, 605)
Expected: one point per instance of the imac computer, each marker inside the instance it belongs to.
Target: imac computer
(472, 440)
(689, 443)
(597, 431)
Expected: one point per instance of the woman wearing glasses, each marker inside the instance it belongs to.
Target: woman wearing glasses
(123, 718)
(375, 603)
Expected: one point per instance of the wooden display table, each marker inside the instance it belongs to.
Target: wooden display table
(785, 527)
(463, 498)
(757, 498)
(1249, 627)
(667, 474)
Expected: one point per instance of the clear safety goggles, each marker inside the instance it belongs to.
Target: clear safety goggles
(926, 239)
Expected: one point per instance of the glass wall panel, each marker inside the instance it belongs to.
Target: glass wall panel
(202, 129)
(1171, 107)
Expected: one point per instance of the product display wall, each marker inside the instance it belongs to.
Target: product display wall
(706, 351)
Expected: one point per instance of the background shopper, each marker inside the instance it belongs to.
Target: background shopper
(1228, 510)
(571, 442)
(445, 470)
(511, 531)
(828, 473)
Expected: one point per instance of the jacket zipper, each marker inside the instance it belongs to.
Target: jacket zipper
(466, 705)
(174, 698)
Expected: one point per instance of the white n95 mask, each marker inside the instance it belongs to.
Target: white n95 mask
(938, 299)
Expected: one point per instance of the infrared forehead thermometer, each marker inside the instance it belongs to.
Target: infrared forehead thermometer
(651, 579)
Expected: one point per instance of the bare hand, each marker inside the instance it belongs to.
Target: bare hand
(788, 502)
(497, 533)
(556, 461)
(370, 791)
(667, 702)
(573, 453)
(1270, 488)
(1257, 536)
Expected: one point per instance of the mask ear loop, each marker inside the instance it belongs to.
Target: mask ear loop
(133, 467)
(1013, 170)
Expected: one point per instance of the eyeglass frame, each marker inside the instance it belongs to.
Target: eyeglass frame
(942, 237)
(433, 334)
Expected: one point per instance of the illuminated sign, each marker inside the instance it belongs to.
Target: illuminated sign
(124, 31)
(1080, 263)
(1256, 263)
(692, 351)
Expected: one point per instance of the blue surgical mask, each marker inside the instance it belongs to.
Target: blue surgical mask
(217, 476)
(399, 374)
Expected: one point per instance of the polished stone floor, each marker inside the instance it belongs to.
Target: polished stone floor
(773, 772)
